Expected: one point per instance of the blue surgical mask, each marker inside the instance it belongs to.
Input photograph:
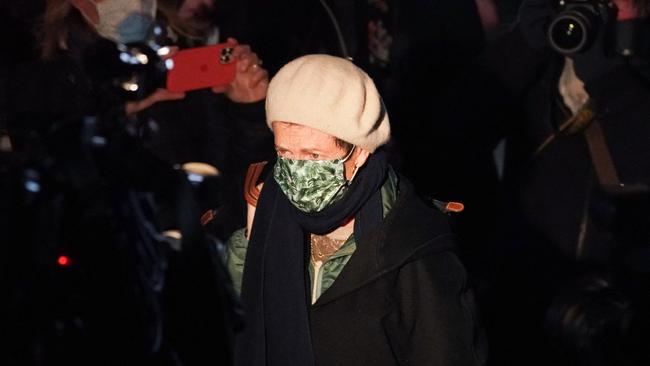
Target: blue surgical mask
(125, 21)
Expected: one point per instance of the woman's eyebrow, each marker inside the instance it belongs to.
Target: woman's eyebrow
(311, 150)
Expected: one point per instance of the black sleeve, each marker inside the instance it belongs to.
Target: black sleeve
(437, 319)
(213, 135)
(251, 139)
(41, 94)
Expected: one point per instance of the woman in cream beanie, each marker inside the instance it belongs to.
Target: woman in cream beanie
(342, 264)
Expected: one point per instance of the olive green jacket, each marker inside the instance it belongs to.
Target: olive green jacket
(322, 275)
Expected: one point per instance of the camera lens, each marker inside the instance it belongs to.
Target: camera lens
(570, 32)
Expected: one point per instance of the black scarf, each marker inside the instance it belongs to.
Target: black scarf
(275, 288)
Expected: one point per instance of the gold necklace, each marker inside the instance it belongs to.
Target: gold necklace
(322, 247)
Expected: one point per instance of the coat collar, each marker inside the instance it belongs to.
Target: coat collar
(410, 230)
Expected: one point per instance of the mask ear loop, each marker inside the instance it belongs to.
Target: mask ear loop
(349, 154)
(354, 174)
(356, 168)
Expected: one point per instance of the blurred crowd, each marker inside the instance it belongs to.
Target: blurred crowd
(547, 148)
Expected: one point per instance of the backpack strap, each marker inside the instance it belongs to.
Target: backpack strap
(448, 207)
(601, 157)
(251, 191)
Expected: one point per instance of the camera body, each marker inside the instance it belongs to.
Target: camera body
(577, 23)
(127, 71)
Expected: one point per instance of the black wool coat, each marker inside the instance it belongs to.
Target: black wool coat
(402, 299)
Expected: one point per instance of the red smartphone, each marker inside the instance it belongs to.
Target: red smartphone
(201, 67)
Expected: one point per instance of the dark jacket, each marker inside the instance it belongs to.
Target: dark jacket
(557, 189)
(561, 223)
(403, 301)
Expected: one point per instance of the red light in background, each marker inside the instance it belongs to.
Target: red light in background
(63, 260)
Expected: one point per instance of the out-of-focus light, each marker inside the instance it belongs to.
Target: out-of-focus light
(32, 186)
(164, 51)
(63, 261)
(98, 140)
(129, 86)
(169, 64)
(142, 58)
(195, 178)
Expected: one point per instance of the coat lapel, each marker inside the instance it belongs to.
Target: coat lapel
(410, 229)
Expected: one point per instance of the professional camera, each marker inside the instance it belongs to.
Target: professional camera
(132, 70)
(577, 23)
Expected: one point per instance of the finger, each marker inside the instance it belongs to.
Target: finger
(260, 77)
(164, 94)
(172, 51)
(244, 65)
(241, 49)
(220, 89)
(174, 96)
(249, 61)
(153, 97)
(255, 60)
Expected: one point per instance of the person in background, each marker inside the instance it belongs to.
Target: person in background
(120, 275)
(178, 128)
(577, 162)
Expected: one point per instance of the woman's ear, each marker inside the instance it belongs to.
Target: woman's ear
(361, 158)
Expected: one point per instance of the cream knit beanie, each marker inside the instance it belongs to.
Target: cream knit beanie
(332, 95)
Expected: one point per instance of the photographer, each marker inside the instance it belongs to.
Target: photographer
(578, 167)
(198, 127)
(93, 281)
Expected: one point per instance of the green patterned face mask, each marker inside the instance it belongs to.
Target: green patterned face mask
(311, 185)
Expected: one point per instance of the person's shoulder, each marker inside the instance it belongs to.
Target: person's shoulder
(414, 227)
(411, 209)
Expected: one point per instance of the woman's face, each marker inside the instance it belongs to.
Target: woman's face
(195, 8)
(299, 142)
(118, 20)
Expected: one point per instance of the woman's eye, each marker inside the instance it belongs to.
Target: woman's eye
(315, 156)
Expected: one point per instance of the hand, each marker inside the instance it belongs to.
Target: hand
(160, 95)
(251, 80)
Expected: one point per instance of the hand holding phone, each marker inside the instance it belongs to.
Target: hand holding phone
(202, 67)
(251, 80)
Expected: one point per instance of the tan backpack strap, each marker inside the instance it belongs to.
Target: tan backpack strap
(207, 217)
(251, 192)
(448, 207)
(601, 156)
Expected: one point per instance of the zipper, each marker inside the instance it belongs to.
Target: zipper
(316, 281)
